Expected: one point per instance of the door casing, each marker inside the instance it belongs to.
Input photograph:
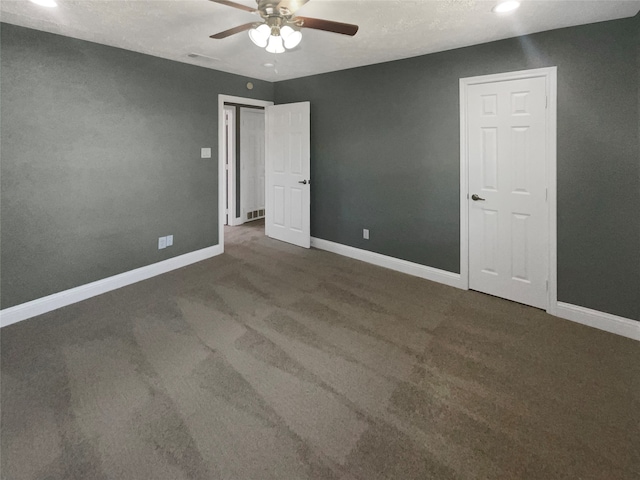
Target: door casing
(229, 160)
(550, 75)
(222, 187)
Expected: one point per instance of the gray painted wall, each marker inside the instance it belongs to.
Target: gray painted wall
(100, 157)
(385, 155)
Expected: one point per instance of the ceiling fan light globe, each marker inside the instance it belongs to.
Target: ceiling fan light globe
(260, 42)
(286, 31)
(275, 44)
(260, 35)
(292, 40)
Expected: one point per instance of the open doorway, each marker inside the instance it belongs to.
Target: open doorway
(244, 161)
(241, 161)
(286, 179)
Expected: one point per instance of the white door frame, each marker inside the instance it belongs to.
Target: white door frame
(229, 150)
(550, 75)
(222, 188)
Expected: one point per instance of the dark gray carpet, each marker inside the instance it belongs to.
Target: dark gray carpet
(274, 362)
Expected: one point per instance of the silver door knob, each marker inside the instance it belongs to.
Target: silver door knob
(475, 198)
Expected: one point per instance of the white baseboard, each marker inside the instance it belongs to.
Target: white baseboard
(593, 318)
(410, 268)
(46, 304)
(603, 321)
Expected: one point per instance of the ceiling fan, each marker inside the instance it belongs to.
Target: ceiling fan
(280, 28)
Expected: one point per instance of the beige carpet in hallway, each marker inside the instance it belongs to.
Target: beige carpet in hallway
(275, 362)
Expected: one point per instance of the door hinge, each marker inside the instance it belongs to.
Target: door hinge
(546, 102)
(547, 282)
(226, 166)
(546, 194)
(226, 211)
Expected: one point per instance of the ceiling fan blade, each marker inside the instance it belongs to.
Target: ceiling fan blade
(291, 5)
(327, 25)
(235, 5)
(232, 31)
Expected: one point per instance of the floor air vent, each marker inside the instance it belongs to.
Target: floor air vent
(255, 214)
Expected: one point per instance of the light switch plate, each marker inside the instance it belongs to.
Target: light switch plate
(205, 153)
(169, 240)
(162, 243)
(365, 233)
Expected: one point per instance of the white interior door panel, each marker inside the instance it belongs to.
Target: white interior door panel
(508, 213)
(288, 216)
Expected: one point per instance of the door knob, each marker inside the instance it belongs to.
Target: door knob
(304, 182)
(475, 198)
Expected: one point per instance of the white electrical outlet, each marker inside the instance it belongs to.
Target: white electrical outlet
(365, 233)
(205, 153)
(169, 240)
(162, 243)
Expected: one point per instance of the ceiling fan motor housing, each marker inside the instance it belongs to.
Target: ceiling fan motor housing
(269, 8)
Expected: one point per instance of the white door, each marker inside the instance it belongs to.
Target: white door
(508, 214)
(251, 163)
(288, 216)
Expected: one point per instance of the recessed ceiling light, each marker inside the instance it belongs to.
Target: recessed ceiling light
(268, 65)
(505, 7)
(45, 3)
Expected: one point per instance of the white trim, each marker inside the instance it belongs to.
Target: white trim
(46, 304)
(603, 321)
(593, 318)
(410, 268)
(552, 187)
(222, 188)
(230, 156)
(464, 189)
(550, 74)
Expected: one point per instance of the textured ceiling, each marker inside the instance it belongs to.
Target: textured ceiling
(389, 30)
